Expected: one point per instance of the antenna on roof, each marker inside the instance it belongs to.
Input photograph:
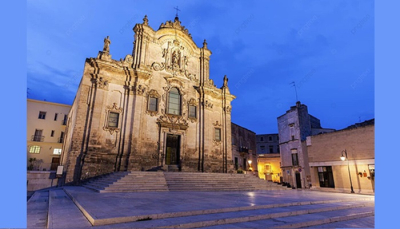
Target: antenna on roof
(177, 9)
(295, 89)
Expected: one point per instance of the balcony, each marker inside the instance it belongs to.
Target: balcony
(37, 138)
(243, 150)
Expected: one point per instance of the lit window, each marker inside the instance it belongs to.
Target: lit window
(174, 102)
(217, 134)
(34, 149)
(113, 119)
(57, 151)
(42, 115)
(153, 102)
(192, 111)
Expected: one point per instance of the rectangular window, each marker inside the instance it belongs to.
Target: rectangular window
(38, 136)
(42, 115)
(34, 149)
(113, 119)
(262, 139)
(65, 120)
(271, 149)
(295, 160)
(192, 111)
(57, 151)
(217, 134)
(270, 138)
(262, 148)
(55, 117)
(52, 133)
(61, 139)
(153, 102)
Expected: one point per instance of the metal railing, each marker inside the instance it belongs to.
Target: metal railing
(37, 138)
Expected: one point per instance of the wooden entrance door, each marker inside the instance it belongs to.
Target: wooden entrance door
(55, 161)
(172, 151)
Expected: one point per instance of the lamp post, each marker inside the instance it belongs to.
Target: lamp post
(348, 167)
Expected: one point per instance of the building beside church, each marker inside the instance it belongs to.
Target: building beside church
(157, 108)
(244, 152)
(46, 122)
(267, 143)
(294, 127)
(357, 170)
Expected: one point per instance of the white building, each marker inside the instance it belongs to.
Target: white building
(46, 123)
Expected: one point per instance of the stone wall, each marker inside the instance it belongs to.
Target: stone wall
(37, 180)
(326, 150)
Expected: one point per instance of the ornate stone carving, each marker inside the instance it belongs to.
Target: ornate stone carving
(228, 109)
(208, 105)
(176, 25)
(174, 122)
(139, 89)
(152, 94)
(100, 82)
(114, 108)
(128, 59)
(175, 61)
(192, 102)
(217, 124)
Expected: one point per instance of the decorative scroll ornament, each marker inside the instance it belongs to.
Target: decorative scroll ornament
(100, 82)
(173, 122)
(228, 109)
(175, 61)
(208, 105)
(139, 89)
(217, 124)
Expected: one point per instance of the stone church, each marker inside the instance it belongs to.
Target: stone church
(155, 109)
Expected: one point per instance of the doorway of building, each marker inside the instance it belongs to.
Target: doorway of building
(55, 161)
(172, 151)
(298, 180)
(325, 176)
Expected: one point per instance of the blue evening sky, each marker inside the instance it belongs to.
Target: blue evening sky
(325, 46)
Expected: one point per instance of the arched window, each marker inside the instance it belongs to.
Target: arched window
(174, 102)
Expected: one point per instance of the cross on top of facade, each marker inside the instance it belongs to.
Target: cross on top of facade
(177, 9)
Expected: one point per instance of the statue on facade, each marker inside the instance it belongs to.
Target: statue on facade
(107, 43)
(225, 81)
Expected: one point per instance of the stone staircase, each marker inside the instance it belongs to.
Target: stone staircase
(174, 181)
(217, 182)
(134, 181)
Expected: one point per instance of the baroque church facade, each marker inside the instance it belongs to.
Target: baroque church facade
(154, 109)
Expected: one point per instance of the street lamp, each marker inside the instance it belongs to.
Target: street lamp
(249, 161)
(348, 167)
